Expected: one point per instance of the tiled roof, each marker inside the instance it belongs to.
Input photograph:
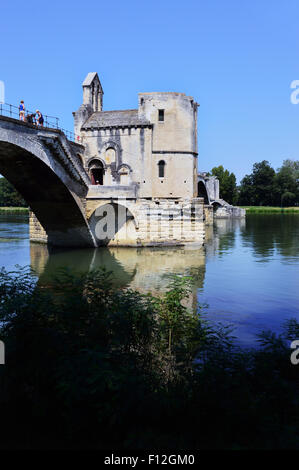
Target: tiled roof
(128, 117)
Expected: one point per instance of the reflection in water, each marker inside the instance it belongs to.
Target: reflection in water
(221, 237)
(279, 234)
(252, 277)
(247, 272)
(144, 269)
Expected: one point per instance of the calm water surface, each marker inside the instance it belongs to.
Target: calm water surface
(248, 272)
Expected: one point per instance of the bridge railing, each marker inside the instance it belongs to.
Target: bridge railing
(52, 122)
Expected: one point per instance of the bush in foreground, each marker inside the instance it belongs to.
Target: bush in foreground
(91, 366)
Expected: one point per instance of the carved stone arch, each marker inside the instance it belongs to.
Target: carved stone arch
(202, 191)
(127, 205)
(109, 143)
(95, 157)
(115, 146)
(96, 168)
(105, 231)
(124, 172)
(124, 165)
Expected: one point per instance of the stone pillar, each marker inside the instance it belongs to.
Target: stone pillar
(209, 214)
(36, 231)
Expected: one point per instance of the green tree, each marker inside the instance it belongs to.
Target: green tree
(258, 188)
(9, 197)
(89, 366)
(227, 183)
(246, 191)
(287, 183)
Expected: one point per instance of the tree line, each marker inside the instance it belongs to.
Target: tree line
(9, 196)
(263, 186)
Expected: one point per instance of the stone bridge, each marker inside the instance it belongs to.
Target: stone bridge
(47, 170)
(208, 188)
(50, 173)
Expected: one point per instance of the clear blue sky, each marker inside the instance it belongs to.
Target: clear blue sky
(236, 58)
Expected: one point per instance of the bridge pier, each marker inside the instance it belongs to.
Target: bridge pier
(47, 171)
(36, 232)
(145, 222)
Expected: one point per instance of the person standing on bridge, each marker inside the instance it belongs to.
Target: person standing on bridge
(39, 119)
(22, 111)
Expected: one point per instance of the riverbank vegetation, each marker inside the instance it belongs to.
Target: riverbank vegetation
(92, 366)
(9, 197)
(14, 210)
(270, 210)
(263, 187)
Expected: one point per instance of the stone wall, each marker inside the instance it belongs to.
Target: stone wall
(150, 222)
(174, 141)
(212, 185)
(36, 231)
(128, 145)
(209, 214)
(227, 211)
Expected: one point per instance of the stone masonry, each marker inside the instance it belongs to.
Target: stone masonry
(129, 180)
(143, 160)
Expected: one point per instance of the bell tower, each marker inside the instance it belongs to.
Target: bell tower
(92, 101)
(93, 92)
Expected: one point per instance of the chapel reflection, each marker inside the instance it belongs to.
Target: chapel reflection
(142, 269)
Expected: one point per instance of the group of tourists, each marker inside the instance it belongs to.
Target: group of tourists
(35, 118)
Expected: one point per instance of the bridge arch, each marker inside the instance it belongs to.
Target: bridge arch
(202, 191)
(29, 162)
(112, 224)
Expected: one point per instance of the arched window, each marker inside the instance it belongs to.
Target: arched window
(97, 171)
(110, 155)
(124, 176)
(161, 166)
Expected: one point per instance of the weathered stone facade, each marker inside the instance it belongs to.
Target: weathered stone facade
(144, 160)
(216, 208)
(129, 180)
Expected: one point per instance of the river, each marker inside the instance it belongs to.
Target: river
(247, 273)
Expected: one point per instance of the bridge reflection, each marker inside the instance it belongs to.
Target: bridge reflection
(142, 269)
(221, 236)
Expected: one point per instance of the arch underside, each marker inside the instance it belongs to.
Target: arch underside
(202, 192)
(47, 196)
(113, 224)
(216, 205)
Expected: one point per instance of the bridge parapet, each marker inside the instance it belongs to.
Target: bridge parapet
(44, 167)
(61, 148)
(55, 140)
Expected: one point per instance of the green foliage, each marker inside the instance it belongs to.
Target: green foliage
(91, 366)
(265, 187)
(180, 330)
(270, 210)
(257, 189)
(286, 184)
(227, 184)
(9, 197)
